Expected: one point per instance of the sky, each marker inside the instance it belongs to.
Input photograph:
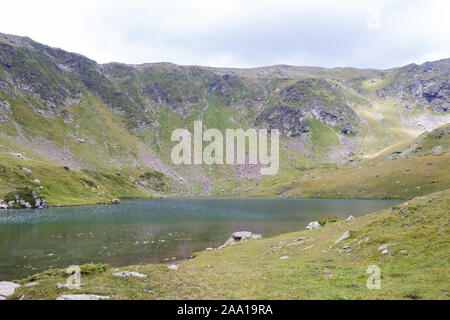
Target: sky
(239, 33)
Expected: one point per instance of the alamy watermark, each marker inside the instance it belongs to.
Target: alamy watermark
(374, 280)
(236, 143)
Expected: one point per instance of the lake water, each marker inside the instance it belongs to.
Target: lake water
(150, 230)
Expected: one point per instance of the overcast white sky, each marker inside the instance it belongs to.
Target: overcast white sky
(239, 33)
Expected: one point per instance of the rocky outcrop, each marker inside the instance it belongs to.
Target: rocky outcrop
(428, 84)
(310, 99)
(289, 121)
(5, 110)
(25, 198)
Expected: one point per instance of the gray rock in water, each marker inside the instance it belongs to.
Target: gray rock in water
(344, 236)
(3, 206)
(82, 297)
(7, 288)
(313, 225)
(27, 171)
(129, 274)
(115, 201)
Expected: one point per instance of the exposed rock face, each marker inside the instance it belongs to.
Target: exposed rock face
(428, 84)
(5, 109)
(306, 100)
(290, 122)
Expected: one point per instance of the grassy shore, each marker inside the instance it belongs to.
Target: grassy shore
(298, 265)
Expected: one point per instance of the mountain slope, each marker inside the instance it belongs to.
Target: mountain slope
(63, 109)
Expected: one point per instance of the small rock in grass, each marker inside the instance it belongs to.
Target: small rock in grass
(344, 236)
(129, 274)
(284, 257)
(27, 171)
(173, 267)
(385, 246)
(31, 284)
(443, 292)
(385, 251)
(81, 297)
(350, 218)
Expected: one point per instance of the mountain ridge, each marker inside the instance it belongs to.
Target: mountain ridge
(65, 109)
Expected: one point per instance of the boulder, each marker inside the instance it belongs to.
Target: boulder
(350, 218)
(313, 225)
(240, 236)
(7, 288)
(344, 236)
(3, 206)
(173, 267)
(115, 201)
(36, 181)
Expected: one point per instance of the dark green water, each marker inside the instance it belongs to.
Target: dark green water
(151, 230)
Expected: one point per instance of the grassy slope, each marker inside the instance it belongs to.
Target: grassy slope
(61, 187)
(417, 265)
(385, 175)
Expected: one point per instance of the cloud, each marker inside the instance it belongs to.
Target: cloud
(232, 33)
